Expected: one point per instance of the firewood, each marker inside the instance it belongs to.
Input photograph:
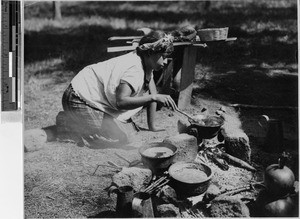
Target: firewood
(219, 162)
(154, 184)
(237, 161)
(236, 191)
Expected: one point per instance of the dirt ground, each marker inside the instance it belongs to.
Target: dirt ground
(60, 177)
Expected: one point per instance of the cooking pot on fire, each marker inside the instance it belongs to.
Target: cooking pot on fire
(190, 178)
(207, 127)
(158, 156)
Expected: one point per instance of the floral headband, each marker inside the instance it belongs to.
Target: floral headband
(165, 42)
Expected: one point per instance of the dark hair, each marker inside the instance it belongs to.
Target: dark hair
(152, 37)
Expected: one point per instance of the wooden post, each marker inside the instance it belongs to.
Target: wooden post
(56, 10)
(187, 76)
(166, 89)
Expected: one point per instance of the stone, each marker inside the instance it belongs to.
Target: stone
(168, 195)
(182, 126)
(168, 210)
(34, 139)
(136, 177)
(186, 145)
(236, 140)
(228, 206)
(212, 192)
(238, 146)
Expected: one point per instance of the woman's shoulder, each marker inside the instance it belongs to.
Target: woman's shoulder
(129, 60)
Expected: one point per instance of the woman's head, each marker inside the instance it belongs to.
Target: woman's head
(155, 42)
(154, 48)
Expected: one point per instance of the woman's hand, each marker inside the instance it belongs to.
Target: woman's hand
(166, 100)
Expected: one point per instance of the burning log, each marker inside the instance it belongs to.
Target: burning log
(248, 187)
(236, 191)
(237, 161)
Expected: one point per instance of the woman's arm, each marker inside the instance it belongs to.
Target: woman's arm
(125, 101)
(151, 110)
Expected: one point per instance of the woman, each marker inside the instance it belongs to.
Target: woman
(102, 98)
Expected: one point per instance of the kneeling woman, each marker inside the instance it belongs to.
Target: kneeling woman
(102, 98)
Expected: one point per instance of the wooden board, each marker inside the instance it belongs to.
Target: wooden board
(124, 38)
(167, 78)
(130, 48)
(187, 76)
(120, 48)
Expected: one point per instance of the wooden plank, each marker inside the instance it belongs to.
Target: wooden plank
(187, 76)
(169, 70)
(184, 99)
(231, 39)
(120, 48)
(182, 43)
(135, 44)
(166, 89)
(124, 38)
(200, 45)
(188, 67)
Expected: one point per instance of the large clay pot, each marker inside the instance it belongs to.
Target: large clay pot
(155, 163)
(185, 187)
(270, 206)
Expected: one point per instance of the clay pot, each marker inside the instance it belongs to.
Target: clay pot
(183, 186)
(208, 127)
(157, 164)
(270, 206)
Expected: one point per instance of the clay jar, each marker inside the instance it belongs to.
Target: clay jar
(124, 200)
(270, 206)
(278, 178)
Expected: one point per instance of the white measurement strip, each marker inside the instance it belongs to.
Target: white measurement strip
(10, 64)
(13, 89)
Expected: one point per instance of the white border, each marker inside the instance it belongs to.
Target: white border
(11, 150)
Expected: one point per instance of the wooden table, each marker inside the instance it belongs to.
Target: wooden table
(187, 70)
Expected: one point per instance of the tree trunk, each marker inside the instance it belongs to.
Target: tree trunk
(56, 10)
(207, 5)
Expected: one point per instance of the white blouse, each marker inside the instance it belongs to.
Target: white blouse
(96, 84)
